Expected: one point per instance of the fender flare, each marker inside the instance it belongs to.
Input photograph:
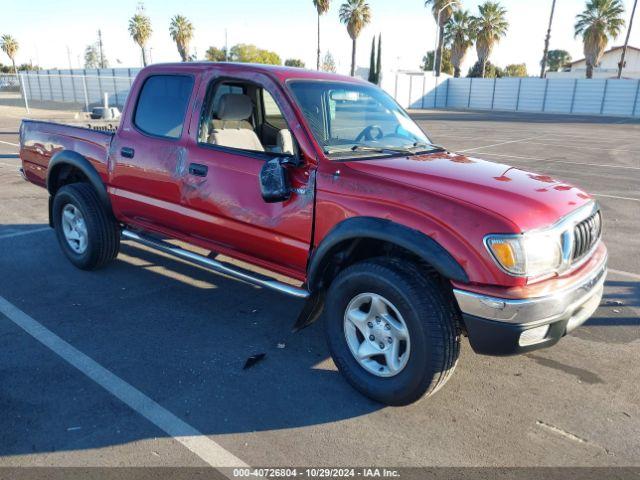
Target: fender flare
(385, 230)
(74, 159)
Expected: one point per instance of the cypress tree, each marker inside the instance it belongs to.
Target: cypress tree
(379, 61)
(372, 63)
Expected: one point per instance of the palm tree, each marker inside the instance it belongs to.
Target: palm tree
(442, 11)
(489, 27)
(181, 30)
(356, 15)
(10, 46)
(322, 6)
(545, 55)
(600, 20)
(459, 34)
(140, 30)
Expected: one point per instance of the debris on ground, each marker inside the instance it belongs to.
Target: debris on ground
(614, 302)
(281, 345)
(253, 359)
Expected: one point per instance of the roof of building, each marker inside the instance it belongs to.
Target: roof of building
(611, 50)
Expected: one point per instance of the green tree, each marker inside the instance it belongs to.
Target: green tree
(181, 31)
(557, 59)
(490, 71)
(294, 62)
(489, 27)
(328, 63)
(215, 54)
(459, 35)
(355, 14)
(516, 70)
(246, 53)
(322, 7)
(140, 30)
(9, 45)
(447, 66)
(442, 11)
(600, 20)
(91, 57)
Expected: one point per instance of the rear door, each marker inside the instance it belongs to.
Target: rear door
(149, 153)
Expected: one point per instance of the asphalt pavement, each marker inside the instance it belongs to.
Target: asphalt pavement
(141, 363)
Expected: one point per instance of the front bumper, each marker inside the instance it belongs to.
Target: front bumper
(502, 326)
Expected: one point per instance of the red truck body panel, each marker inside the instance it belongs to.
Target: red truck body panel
(41, 140)
(453, 199)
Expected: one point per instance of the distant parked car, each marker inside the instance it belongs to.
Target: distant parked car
(9, 84)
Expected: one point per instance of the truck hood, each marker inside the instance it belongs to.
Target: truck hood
(529, 200)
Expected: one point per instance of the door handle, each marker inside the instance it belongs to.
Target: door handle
(127, 152)
(198, 170)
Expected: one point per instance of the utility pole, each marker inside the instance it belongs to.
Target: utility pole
(226, 46)
(626, 42)
(69, 57)
(100, 47)
(546, 41)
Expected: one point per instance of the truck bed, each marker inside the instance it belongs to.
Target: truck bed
(39, 141)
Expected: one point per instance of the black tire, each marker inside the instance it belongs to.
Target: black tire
(431, 317)
(102, 230)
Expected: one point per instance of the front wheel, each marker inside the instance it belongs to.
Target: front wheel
(87, 234)
(392, 331)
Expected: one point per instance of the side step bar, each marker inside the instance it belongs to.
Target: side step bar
(214, 265)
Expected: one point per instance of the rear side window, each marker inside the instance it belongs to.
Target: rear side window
(162, 105)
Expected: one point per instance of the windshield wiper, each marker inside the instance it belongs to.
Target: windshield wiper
(369, 148)
(429, 146)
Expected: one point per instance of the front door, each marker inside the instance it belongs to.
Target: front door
(232, 140)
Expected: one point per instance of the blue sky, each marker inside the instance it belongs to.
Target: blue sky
(46, 28)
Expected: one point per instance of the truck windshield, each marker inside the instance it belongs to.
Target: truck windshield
(350, 120)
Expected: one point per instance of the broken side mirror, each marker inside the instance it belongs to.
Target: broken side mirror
(274, 181)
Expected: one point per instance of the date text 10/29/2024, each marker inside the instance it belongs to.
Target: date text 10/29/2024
(315, 473)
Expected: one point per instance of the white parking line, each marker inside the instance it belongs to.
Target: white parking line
(201, 445)
(9, 143)
(538, 159)
(625, 274)
(27, 232)
(501, 143)
(616, 197)
(564, 145)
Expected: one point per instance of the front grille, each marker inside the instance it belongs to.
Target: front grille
(585, 235)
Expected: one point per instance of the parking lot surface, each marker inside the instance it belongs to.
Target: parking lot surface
(140, 364)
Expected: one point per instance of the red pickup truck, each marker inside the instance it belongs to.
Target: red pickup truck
(325, 181)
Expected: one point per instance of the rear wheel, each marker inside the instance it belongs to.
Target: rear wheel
(392, 331)
(86, 232)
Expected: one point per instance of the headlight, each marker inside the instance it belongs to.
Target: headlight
(527, 255)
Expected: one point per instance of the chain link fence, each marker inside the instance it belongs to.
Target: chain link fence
(593, 97)
(69, 90)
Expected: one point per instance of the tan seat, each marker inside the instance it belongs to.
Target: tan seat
(229, 130)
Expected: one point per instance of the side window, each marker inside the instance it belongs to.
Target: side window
(162, 105)
(273, 116)
(271, 109)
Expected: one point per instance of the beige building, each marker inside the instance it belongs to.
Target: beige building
(608, 67)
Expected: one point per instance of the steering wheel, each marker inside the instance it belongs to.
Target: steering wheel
(368, 133)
